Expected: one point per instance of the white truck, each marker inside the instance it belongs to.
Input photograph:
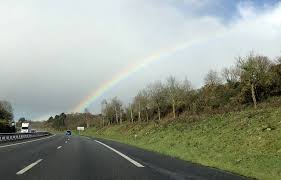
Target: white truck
(25, 128)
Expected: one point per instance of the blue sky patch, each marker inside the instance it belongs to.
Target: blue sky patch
(226, 10)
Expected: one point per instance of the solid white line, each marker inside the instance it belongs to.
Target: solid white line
(29, 167)
(26, 142)
(122, 155)
(59, 147)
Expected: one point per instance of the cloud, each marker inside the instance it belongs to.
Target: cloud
(53, 54)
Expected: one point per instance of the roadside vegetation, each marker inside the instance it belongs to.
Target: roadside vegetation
(232, 122)
(64, 121)
(9, 125)
(246, 142)
(249, 82)
(6, 117)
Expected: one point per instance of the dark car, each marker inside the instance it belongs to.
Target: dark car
(68, 133)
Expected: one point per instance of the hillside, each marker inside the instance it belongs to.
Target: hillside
(246, 142)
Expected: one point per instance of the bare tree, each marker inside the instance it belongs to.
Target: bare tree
(117, 105)
(146, 103)
(186, 93)
(254, 70)
(130, 108)
(174, 92)
(186, 85)
(138, 105)
(141, 103)
(231, 75)
(212, 78)
(103, 111)
(108, 111)
(6, 110)
(157, 95)
(121, 116)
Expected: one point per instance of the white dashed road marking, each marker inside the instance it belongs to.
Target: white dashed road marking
(29, 167)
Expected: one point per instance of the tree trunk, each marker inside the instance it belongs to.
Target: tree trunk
(174, 109)
(159, 114)
(88, 124)
(87, 120)
(254, 95)
(139, 113)
(132, 117)
(139, 119)
(116, 115)
(121, 116)
(146, 114)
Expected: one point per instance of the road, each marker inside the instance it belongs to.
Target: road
(59, 157)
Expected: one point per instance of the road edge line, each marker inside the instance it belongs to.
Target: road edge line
(122, 155)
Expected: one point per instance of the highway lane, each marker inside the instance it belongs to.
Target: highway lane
(14, 158)
(60, 157)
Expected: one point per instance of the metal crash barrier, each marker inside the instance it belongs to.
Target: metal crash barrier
(4, 137)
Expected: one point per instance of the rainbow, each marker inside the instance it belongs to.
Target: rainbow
(128, 71)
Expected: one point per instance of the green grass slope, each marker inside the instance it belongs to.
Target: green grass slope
(247, 142)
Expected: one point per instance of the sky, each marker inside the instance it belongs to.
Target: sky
(53, 54)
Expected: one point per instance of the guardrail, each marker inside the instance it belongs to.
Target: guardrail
(4, 137)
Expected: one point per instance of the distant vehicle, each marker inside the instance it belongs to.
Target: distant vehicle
(68, 133)
(25, 128)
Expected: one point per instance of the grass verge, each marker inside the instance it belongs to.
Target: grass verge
(247, 142)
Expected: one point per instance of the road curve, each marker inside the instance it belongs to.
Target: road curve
(60, 157)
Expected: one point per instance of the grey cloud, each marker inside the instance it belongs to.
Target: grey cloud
(53, 54)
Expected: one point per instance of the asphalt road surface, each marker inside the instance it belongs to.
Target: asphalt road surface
(60, 157)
